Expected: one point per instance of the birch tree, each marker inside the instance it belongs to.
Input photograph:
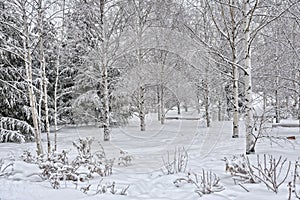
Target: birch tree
(101, 24)
(139, 23)
(252, 28)
(27, 56)
(228, 26)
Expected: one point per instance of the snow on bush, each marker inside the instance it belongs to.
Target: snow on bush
(124, 158)
(58, 167)
(205, 183)
(177, 163)
(240, 169)
(268, 169)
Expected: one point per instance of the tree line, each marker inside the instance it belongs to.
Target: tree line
(103, 61)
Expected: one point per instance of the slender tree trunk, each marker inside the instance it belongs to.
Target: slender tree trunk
(142, 108)
(299, 97)
(104, 66)
(185, 106)
(158, 103)
(236, 102)
(56, 100)
(198, 99)
(32, 98)
(219, 110)
(277, 101)
(249, 121)
(162, 104)
(46, 108)
(57, 77)
(106, 127)
(44, 76)
(235, 73)
(206, 97)
(178, 108)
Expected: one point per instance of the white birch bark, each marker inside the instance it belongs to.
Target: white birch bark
(206, 96)
(230, 33)
(277, 83)
(236, 101)
(158, 103)
(57, 75)
(249, 121)
(142, 108)
(139, 32)
(28, 68)
(235, 73)
(104, 66)
(43, 68)
(162, 104)
(106, 124)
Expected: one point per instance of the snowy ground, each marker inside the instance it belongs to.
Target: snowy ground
(206, 148)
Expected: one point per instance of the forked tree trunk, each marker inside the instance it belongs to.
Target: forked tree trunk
(28, 68)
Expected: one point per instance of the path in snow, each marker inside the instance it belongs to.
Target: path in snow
(219, 131)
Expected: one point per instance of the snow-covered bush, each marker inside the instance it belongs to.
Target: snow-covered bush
(269, 170)
(272, 171)
(110, 187)
(205, 183)
(28, 157)
(124, 158)
(97, 161)
(240, 169)
(177, 163)
(57, 167)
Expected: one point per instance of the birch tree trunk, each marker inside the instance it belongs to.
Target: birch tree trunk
(104, 70)
(106, 127)
(206, 96)
(158, 103)
(229, 31)
(235, 73)
(44, 76)
(28, 68)
(236, 101)
(142, 108)
(57, 76)
(219, 110)
(178, 108)
(162, 104)
(249, 121)
(277, 102)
